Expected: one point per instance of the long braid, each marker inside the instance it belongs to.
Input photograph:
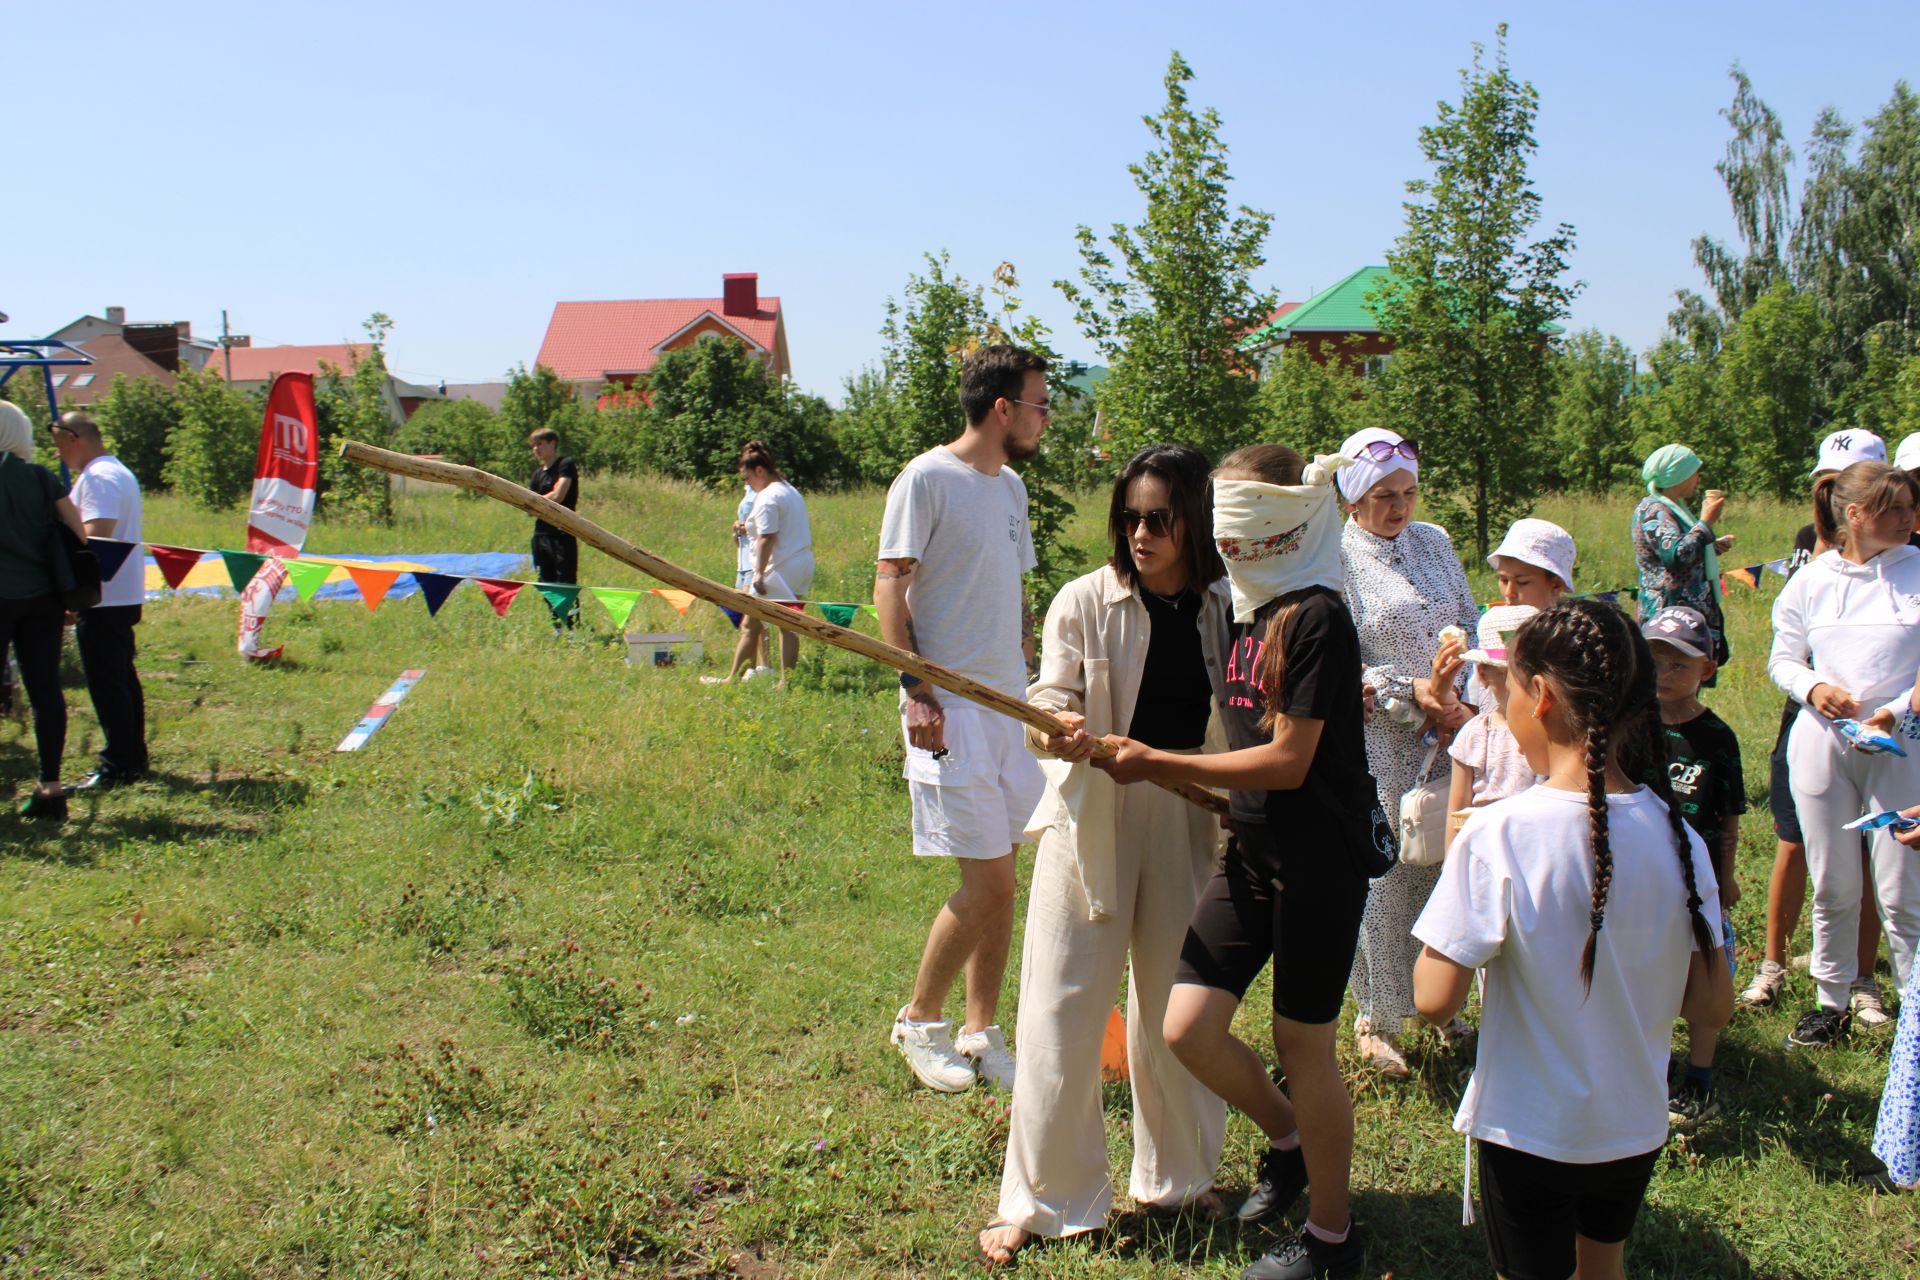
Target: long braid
(1598, 737)
(1662, 785)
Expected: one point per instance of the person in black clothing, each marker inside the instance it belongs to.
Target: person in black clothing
(1304, 814)
(1703, 771)
(556, 554)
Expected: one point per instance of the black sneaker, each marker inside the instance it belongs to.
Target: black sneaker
(1283, 1176)
(1818, 1028)
(1302, 1256)
(1690, 1104)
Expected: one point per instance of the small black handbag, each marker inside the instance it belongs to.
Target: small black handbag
(74, 569)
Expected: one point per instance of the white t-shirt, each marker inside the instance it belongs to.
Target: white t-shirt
(106, 490)
(1563, 1074)
(778, 510)
(743, 548)
(969, 532)
(1499, 767)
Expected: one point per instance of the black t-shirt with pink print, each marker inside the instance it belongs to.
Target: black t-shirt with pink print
(1322, 683)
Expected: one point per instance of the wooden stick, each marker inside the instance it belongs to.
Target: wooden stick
(768, 611)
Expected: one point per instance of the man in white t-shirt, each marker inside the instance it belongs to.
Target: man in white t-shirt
(108, 496)
(954, 546)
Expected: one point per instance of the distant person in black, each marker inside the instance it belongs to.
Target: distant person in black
(556, 555)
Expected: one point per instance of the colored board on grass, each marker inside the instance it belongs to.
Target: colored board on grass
(381, 709)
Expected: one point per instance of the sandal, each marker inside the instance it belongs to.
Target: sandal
(1002, 1255)
(1380, 1053)
(42, 805)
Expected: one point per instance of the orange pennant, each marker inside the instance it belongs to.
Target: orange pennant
(680, 600)
(373, 583)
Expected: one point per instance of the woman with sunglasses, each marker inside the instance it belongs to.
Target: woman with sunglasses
(1133, 648)
(1404, 586)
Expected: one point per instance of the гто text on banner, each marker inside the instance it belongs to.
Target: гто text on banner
(285, 478)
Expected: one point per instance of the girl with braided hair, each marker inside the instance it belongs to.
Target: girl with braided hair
(1581, 898)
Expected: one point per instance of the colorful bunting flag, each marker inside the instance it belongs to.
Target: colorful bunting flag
(435, 588)
(110, 553)
(1749, 576)
(873, 609)
(561, 599)
(680, 600)
(175, 562)
(1778, 566)
(733, 615)
(500, 593)
(840, 615)
(307, 576)
(241, 566)
(617, 602)
(373, 583)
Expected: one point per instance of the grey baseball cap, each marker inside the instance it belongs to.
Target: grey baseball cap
(1683, 628)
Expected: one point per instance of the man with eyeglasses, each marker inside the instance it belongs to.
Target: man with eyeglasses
(954, 547)
(108, 496)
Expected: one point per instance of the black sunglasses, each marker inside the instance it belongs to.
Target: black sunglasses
(1159, 521)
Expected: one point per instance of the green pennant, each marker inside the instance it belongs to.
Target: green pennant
(872, 609)
(307, 576)
(618, 602)
(241, 566)
(561, 600)
(840, 615)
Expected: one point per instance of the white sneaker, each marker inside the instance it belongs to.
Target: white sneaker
(928, 1049)
(1764, 990)
(988, 1049)
(764, 671)
(1868, 1011)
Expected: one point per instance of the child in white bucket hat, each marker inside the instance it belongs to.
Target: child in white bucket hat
(1487, 763)
(1534, 563)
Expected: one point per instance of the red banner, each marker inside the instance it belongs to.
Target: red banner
(287, 472)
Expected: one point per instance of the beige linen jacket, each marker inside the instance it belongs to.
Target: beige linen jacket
(1093, 653)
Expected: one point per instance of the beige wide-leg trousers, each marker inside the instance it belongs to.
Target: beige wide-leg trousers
(1057, 1180)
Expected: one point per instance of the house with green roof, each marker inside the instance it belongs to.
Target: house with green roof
(1336, 323)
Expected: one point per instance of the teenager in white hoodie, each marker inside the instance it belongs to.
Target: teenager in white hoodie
(1846, 645)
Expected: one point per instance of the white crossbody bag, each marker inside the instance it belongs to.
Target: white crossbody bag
(1423, 817)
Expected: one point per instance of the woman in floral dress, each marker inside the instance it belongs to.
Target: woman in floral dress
(1404, 586)
(1678, 554)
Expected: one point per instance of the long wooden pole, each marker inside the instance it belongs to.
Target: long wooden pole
(768, 611)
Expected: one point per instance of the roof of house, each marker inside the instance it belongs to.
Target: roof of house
(593, 339)
(259, 364)
(79, 385)
(1340, 308)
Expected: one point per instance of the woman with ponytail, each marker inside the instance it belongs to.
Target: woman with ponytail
(1582, 900)
(1846, 645)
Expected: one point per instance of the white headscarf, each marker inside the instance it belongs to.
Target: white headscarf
(1278, 538)
(1365, 472)
(16, 431)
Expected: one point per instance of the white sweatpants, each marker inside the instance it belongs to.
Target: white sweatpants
(1832, 785)
(1057, 1181)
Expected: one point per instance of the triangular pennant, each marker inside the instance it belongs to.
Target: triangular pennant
(561, 600)
(435, 588)
(241, 566)
(111, 554)
(175, 562)
(680, 600)
(840, 615)
(617, 601)
(733, 615)
(373, 583)
(1611, 597)
(798, 606)
(307, 576)
(1778, 566)
(873, 609)
(500, 593)
(1749, 576)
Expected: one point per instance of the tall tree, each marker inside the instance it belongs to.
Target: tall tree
(1470, 303)
(211, 452)
(136, 417)
(1167, 299)
(1591, 426)
(1313, 405)
(1755, 171)
(1770, 388)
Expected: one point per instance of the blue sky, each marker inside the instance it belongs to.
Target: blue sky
(462, 167)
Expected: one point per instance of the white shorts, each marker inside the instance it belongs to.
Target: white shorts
(973, 802)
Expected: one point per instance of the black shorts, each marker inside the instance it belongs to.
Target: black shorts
(1534, 1207)
(1786, 820)
(1308, 930)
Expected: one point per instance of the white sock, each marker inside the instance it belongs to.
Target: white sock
(1325, 1236)
(1289, 1143)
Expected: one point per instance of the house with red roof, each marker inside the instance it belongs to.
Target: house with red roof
(254, 369)
(597, 345)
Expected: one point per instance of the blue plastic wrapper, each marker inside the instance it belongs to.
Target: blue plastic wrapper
(1889, 818)
(1868, 739)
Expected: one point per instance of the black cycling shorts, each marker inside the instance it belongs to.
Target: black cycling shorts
(1301, 908)
(1786, 820)
(1533, 1207)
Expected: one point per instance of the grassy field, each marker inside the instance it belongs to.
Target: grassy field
(583, 970)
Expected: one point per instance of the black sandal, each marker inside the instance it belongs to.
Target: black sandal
(51, 808)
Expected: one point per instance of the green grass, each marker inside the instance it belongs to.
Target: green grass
(578, 969)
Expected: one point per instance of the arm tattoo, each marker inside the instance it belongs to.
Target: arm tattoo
(913, 636)
(892, 569)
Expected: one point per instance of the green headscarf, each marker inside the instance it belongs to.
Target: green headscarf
(1664, 468)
